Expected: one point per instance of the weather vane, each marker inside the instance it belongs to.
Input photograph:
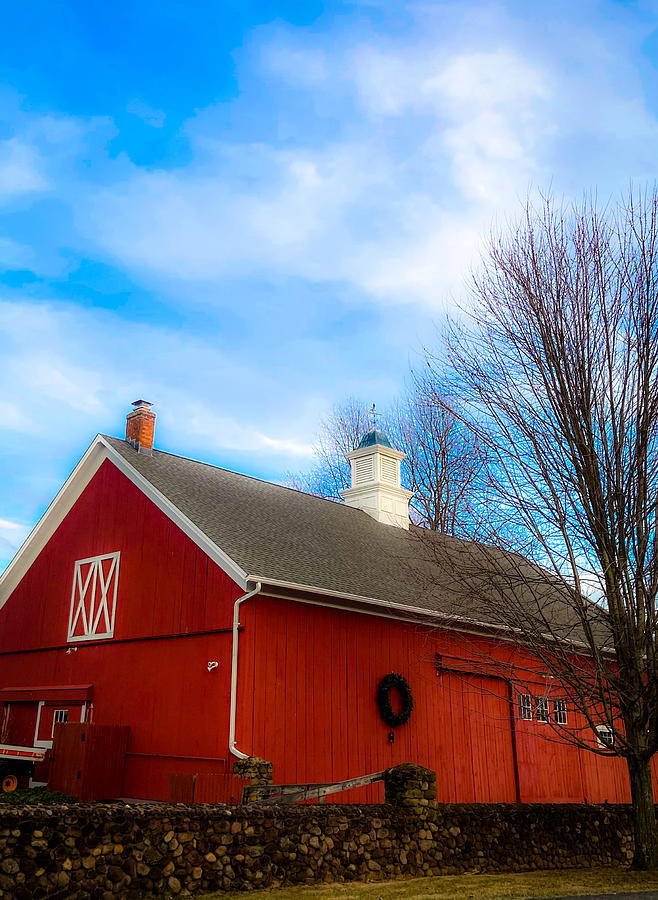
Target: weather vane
(373, 414)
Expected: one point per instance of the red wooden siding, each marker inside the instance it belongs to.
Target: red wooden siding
(88, 760)
(307, 682)
(166, 584)
(177, 710)
(159, 686)
(74, 713)
(19, 724)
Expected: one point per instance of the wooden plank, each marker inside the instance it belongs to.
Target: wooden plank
(291, 679)
(296, 793)
(181, 787)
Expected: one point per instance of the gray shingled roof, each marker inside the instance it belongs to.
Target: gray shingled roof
(277, 533)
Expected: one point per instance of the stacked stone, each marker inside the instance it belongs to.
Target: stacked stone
(411, 787)
(105, 851)
(254, 769)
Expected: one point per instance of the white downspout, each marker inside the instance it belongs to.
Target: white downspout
(234, 671)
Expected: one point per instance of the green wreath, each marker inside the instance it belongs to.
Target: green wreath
(384, 699)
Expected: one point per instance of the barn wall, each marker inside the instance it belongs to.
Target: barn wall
(166, 584)
(177, 710)
(307, 683)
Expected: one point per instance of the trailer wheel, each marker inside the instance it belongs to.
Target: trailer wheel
(9, 783)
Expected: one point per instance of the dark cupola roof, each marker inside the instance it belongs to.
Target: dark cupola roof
(375, 436)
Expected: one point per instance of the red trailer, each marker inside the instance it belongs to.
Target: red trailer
(18, 762)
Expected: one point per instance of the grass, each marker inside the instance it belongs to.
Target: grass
(467, 887)
(31, 796)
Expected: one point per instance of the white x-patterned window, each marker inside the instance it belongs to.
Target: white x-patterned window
(94, 597)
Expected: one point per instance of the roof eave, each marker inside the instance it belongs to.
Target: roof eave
(399, 611)
(384, 607)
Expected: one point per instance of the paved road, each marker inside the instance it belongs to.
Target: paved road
(634, 895)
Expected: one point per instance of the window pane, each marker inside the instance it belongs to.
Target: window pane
(560, 712)
(525, 706)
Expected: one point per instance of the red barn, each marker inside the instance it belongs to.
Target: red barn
(218, 616)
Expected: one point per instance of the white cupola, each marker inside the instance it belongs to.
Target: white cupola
(376, 486)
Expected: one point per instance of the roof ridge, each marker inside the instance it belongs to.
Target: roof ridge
(274, 484)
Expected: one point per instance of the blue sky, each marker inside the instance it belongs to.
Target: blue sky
(246, 211)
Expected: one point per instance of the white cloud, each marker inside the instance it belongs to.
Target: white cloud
(12, 535)
(496, 107)
(404, 153)
(20, 169)
(329, 215)
(227, 433)
(13, 418)
(400, 226)
(298, 65)
(389, 82)
(55, 378)
(70, 371)
(14, 255)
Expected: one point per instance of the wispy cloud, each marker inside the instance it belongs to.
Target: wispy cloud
(12, 535)
(227, 433)
(69, 372)
(434, 141)
(21, 169)
(14, 255)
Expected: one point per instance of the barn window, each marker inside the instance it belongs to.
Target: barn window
(541, 709)
(560, 712)
(94, 597)
(606, 737)
(525, 706)
(60, 715)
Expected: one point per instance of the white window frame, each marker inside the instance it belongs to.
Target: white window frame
(560, 711)
(542, 714)
(605, 745)
(94, 599)
(525, 707)
(48, 743)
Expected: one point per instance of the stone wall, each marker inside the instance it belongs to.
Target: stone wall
(115, 850)
(258, 770)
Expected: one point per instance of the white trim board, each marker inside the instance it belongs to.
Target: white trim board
(96, 454)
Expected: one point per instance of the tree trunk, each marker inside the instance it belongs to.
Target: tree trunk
(644, 816)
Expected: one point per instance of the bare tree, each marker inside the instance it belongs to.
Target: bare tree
(445, 461)
(340, 432)
(559, 371)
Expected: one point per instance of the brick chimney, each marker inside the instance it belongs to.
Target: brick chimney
(140, 427)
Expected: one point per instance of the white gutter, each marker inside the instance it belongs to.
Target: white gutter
(234, 671)
(448, 620)
(381, 604)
